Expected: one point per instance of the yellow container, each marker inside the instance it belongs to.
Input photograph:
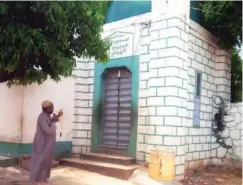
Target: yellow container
(162, 164)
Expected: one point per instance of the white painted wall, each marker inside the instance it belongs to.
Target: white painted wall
(21, 106)
(10, 113)
(61, 94)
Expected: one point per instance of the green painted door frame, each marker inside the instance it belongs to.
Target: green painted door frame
(132, 63)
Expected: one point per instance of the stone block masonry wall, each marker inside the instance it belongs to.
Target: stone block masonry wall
(233, 133)
(163, 91)
(213, 64)
(84, 75)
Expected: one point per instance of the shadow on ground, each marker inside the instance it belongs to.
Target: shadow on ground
(60, 176)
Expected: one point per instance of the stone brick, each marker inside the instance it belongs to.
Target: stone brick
(81, 103)
(78, 141)
(182, 93)
(183, 55)
(195, 155)
(184, 36)
(199, 42)
(89, 134)
(194, 131)
(180, 150)
(153, 73)
(168, 71)
(181, 131)
(144, 58)
(192, 147)
(192, 54)
(205, 45)
(195, 48)
(167, 52)
(188, 139)
(158, 44)
(192, 38)
(175, 42)
(140, 156)
(202, 51)
(167, 111)
(154, 101)
(167, 91)
(205, 146)
(142, 84)
(204, 60)
(168, 140)
(156, 120)
(145, 40)
(173, 81)
(144, 49)
(143, 67)
(145, 32)
(183, 74)
(143, 111)
(80, 134)
(141, 147)
(142, 102)
(80, 73)
(144, 93)
(156, 82)
(174, 22)
(154, 54)
(140, 138)
(80, 118)
(180, 170)
(199, 147)
(83, 96)
(174, 61)
(154, 139)
(141, 120)
(235, 134)
(83, 126)
(176, 121)
(154, 35)
(183, 141)
(157, 63)
(182, 112)
(159, 25)
(84, 111)
(76, 149)
(151, 111)
(165, 130)
(169, 32)
(198, 66)
(173, 101)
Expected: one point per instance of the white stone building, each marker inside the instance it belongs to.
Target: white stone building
(173, 68)
(156, 91)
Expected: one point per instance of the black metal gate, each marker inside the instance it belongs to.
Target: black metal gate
(117, 112)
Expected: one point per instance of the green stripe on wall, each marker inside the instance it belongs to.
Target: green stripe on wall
(62, 149)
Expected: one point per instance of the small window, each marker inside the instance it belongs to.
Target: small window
(197, 100)
(198, 84)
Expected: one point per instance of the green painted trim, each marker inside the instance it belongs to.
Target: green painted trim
(132, 63)
(62, 149)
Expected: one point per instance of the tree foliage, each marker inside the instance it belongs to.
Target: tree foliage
(41, 39)
(236, 76)
(224, 20)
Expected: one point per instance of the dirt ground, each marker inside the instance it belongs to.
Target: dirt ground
(214, 175)
(71, 176)
(60, 176)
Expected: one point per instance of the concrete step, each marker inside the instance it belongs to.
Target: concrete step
(108, 169)
(107, 158)
(8, 161)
